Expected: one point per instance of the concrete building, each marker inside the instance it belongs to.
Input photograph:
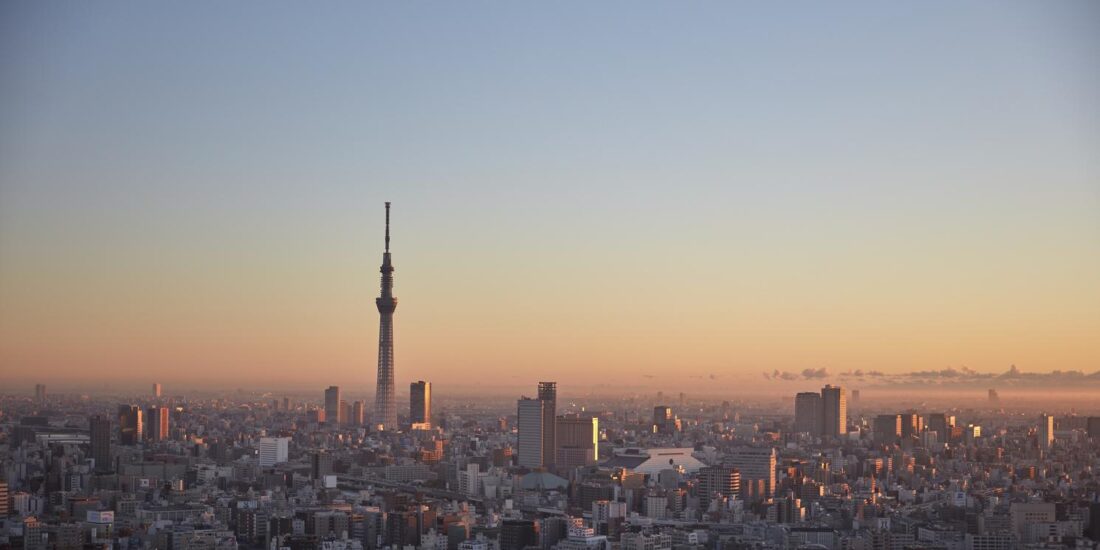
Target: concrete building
(358, 413)
(99, 431)
(663, 420)
(273, 450)
(1025, 513)
(548, 394)
(333, 412)
(718, 481)
(807, 413)
(912, 424)
(517, 534)
(157, 424)
(1046, 431)
(757, 468)
(887, 428)
(530, 440)
(642, 541)
(578, 441)
(131, 424)
(938, 422)
(834, 414)
(420, 403)
(1092, 427)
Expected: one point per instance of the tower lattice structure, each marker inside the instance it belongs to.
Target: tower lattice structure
(385, 408)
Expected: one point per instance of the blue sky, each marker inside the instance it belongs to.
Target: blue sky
(792, 175)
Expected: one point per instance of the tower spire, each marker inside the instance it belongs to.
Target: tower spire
(387, 226)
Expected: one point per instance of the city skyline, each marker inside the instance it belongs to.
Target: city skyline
(673, 276)
(187, 214)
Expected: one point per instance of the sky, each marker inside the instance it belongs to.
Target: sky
(611, 194)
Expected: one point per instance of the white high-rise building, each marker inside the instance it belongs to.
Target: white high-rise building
(274, 450)
(656, 507)
(468, 479)
(530, 438)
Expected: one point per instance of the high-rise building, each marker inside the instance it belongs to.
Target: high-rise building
(385, 406)
(99, 430)
(994, 399)
(548, 394)
(358, 413)
(273, 450)
(321, 464)
(717, 481)
(807, 413)
(663, 420)
(156, 389)
(911, 425)
(157, 424)
(757, 468)
(937, 422)
(518, 534)
(887, 428)
(834, 407)
(332, 406)
(1046, 431)
(1092, 426)
(578, 441)
(529, 425)
(5, 509)
(345, 412)
(131, 426)
(420, 403)
(40, 393)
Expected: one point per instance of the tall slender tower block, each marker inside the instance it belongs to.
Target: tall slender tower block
(385, 409)
(548, 394)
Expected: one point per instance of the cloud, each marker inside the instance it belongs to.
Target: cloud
(965, 376)
(780, 375)
(815, 374)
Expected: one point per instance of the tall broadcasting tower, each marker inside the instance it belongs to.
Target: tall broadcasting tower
(385, 410)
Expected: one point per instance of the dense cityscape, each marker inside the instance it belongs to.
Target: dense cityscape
(568, 471)
(610, 275)
(268, 471)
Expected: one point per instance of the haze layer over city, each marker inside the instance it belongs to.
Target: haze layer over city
(549, 276)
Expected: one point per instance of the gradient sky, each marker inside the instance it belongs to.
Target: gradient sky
(614, 193)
